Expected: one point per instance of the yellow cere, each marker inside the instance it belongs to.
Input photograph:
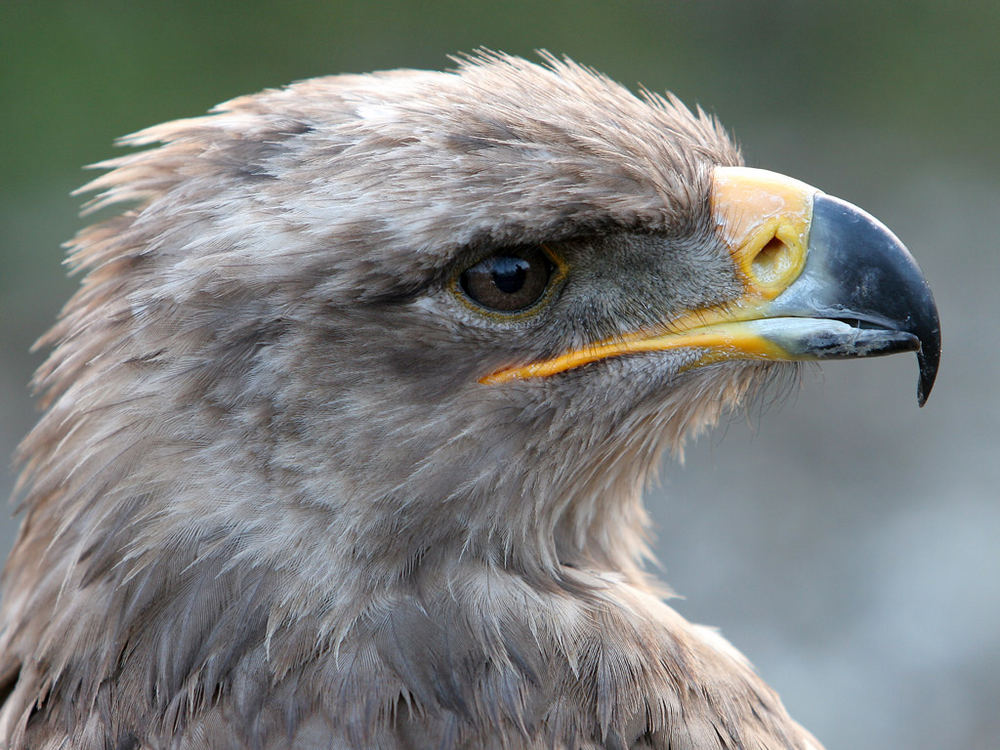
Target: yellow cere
(764, 219)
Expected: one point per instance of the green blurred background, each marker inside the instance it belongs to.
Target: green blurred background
(848, 542)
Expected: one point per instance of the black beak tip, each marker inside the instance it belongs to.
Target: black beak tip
(928, 329)
(928, 359)
(877, 279)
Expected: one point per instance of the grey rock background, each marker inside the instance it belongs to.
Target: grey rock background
(846, 541)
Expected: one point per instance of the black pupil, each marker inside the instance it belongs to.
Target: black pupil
(509, 273)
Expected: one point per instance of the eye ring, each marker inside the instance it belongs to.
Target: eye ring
(512, 283)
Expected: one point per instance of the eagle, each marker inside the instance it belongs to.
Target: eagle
(346, 428)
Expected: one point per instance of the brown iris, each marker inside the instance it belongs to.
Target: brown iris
(510, 281)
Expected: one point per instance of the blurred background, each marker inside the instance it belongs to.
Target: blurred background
(846, 541)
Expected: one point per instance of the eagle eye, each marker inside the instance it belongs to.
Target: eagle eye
(511, 281)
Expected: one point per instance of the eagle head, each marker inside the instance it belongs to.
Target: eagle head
(348, 422)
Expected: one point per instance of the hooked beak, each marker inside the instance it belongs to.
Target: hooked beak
(823, 280)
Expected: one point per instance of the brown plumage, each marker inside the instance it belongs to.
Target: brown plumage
(275, 500)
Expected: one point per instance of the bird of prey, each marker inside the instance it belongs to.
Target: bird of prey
(347, 425)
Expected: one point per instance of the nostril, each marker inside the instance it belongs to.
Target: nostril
(771, 261)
